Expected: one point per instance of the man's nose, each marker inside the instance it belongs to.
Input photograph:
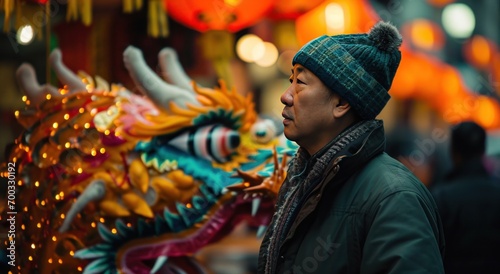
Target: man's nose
(287, 98)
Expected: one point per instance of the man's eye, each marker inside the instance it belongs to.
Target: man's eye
(298, 80)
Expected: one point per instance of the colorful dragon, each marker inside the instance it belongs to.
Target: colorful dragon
(110, 181)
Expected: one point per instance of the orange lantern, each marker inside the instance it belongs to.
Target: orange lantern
(487, 113)
(217, 20)
(230, 15)
(450, 96)
(408, 80)
(424, 34)
(479, 52)
(334, 17)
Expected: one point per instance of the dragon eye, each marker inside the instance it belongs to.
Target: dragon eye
(263, 131)
(213, 142)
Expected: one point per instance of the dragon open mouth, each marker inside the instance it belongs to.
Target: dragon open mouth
(173, 235)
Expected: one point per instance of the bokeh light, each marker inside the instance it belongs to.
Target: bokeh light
(25, 35)
(258, 51)
(458, 20)
(486, 113)
(425, 34)
(269, 56)
(479, 51)
(251, 49)
(335, 19)
(245, 47)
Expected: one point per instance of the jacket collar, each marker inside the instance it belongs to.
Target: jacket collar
(363, 149)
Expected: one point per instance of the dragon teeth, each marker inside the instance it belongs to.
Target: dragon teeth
(255, 206)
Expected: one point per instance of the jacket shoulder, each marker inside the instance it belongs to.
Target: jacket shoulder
(385, 171)
(381, 178)
(395, 209)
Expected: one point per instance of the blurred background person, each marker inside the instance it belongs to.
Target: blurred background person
(469, 203)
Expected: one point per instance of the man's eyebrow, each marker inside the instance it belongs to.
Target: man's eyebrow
(299, 69)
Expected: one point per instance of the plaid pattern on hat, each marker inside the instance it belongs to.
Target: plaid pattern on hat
(358, 67)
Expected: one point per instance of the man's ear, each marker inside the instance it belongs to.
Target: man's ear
(341, 108)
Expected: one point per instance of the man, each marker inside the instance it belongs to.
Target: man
(469, 205)
(346, 206)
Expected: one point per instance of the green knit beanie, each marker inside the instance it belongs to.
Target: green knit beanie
(358, 67)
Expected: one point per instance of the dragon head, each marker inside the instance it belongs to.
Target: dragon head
(119, 181)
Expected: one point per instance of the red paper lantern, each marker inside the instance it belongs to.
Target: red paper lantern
(230, 15)
(291, 9)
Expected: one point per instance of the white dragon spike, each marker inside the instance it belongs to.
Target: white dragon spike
(160, 261)
(171, 69)
(255, 205)
(150, 84)
(36, 93)
(64, 74)
(261, 230)
(94, 191)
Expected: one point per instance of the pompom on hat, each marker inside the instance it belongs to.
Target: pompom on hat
(358, 67)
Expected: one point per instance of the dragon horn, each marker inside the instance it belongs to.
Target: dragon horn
(64, 74)
(26, 77)
(160, 92)
(171, 69)
(94, 191)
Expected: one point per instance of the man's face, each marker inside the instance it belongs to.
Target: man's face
(308, 112)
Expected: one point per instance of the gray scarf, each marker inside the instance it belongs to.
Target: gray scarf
(304, 173)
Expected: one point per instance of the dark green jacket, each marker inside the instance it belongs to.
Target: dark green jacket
(369, 214)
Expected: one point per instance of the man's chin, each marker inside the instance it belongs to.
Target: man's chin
(289, 135)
